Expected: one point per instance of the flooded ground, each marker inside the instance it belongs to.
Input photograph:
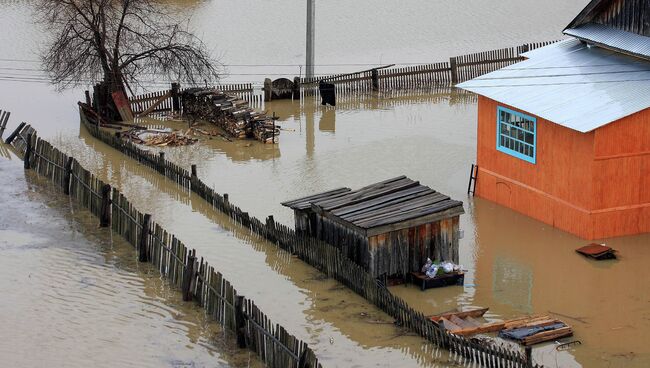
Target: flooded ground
(74, 296)
(516, 265)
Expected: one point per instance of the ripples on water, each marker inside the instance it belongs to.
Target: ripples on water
(72, 297)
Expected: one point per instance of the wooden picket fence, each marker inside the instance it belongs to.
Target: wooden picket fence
(326, 258)
(196, 279)
(458, 69)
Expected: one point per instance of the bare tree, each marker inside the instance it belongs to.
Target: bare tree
(118, 41)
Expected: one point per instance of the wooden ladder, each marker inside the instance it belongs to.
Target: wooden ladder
(473, 175)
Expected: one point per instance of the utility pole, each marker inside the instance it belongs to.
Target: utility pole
(311, 28)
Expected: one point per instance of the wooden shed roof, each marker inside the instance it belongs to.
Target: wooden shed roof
(389, 202)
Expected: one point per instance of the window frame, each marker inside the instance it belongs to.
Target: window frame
(509, 151)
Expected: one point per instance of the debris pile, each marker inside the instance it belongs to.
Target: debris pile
(230, 113)
(159, 137)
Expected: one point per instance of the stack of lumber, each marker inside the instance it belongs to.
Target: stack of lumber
(230, 113)
(466, 324)
(534, 322)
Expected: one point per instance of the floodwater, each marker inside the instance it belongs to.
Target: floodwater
(515, 265)
(74, 296)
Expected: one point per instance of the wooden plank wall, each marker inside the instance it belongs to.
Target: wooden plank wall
(196, 278)
(326, 258)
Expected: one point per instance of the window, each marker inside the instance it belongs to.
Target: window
(516, 134)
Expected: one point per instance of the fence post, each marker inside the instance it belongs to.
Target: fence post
(529, 356)
(268, 89)
(146, 223)
(105, 212)
(161, 162)
(240, 321)
(13, 135)
(453, 64)
(28, 151)
(4, 118)
(188, 275)
(66, 178)
(193, 178)
(176, 102)
(296, 88)
(270, 226)
(375, 80)
(303, 361)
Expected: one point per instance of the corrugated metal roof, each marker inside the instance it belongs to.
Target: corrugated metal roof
(615, 39)
(571, 84)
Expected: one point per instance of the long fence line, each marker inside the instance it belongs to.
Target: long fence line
(196, 279)
(324, 257)
(458, 69)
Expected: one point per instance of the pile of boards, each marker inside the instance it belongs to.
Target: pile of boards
(527, 330)
(158, 137)
(230, 113)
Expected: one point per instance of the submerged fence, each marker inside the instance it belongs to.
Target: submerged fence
(326, 258)
(196, 279)
(458, 69)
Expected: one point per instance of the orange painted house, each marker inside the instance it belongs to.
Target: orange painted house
(564, 136)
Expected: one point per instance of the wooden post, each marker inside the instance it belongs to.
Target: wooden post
(529, 356)
(28, 151)
(240, 322)
(88, 101)
(188, 275)
(303, 361)
(270, 226)
(68, 174)
(193, 178)
(105, 212)
(453, 64)
(295, 92)
(161, 162)
(3, 122)
(13, 135)
(375, 79)
(268, 90)
(225, 198)
(146, 224)
(176, 101)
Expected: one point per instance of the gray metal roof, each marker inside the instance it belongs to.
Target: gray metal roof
(571, 84)
(611, 38)
(392, 201)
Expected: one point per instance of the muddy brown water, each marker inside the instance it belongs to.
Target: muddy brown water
(515, 265)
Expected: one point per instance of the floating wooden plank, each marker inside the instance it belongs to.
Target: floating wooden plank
(597, 251)
(464, 314)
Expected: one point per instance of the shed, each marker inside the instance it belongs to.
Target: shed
(564, 136)
(390, 227)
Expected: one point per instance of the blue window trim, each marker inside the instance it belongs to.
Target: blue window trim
(532, 160)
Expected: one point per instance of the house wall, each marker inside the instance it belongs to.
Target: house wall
(621, 177)
(579, 181)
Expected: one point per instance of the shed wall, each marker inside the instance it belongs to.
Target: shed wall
(393, 253)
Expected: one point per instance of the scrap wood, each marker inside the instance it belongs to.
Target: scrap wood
(548, 335)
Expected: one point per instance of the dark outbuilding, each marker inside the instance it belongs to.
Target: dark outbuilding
(390, 228)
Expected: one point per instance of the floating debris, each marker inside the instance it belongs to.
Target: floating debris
(597, 251)
(160, 137)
